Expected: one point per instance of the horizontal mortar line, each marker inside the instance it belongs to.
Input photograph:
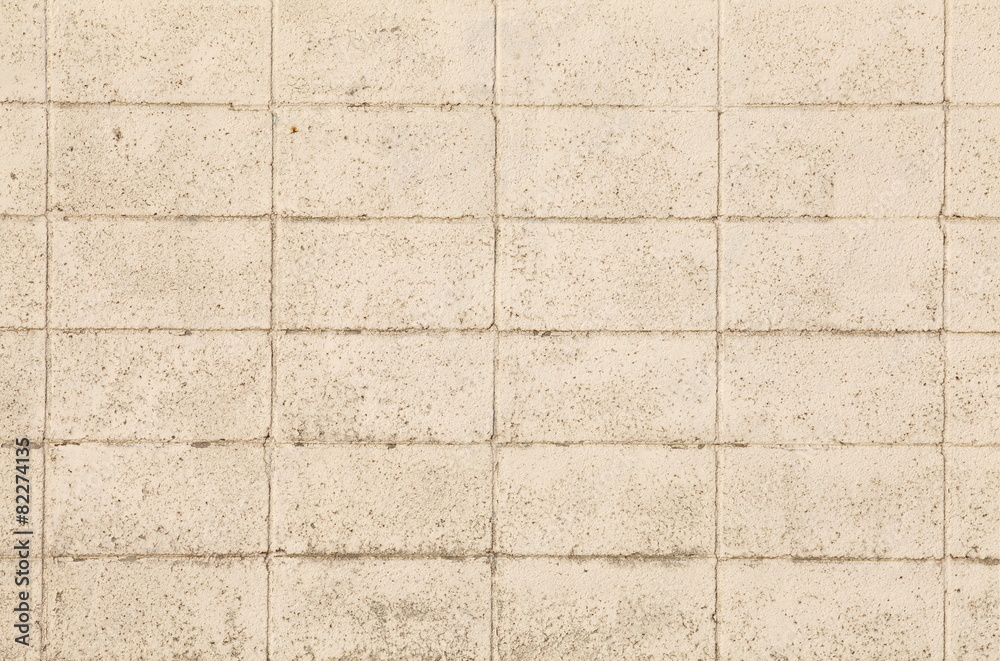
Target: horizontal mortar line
(149, 441)
(510, 218)
(295, 330)
(905, 104)
(743, 217)
(362, 105)
(291, 330)
(568, 218)
(444, 105)
(253, 107)
(354, 105)
(136, 442)
(632, 557)
(500, 443)
(63, 217)
(833, 105)
(501, 217)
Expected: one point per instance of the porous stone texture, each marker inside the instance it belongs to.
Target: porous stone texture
(866, 162)
(644, 53)
(972, 280)
(383, 161)
(973, 51)
(22, 281)
(610, 387)
(380, 608)
(972, 389)
(606, 162)
(833, 51)
(380, 499)
(148, 499)
(159, 160)
(400, 274)
(123, 609)
(829, 388)
(23, 168)
(974, 162)
(636, 275)
(500, 330)
(831, 275)
(381, 51)
(858, 502)
(888, 610)
(604, 609)
(605, 500)
(973, 480)
(973, 611)
(22, 56)
(158, 273)
(143, 51)
(158, 385)
(383, 387)
(22, 384)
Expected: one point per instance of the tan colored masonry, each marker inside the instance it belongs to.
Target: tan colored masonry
(503, 329)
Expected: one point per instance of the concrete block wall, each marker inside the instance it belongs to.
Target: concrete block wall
(507, 330)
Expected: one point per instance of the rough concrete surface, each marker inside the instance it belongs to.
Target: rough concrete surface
(500, 330)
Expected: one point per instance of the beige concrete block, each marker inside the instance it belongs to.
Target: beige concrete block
(373, 499)
(822, 388)
(22, 280)
(973, 482)
(812, 611)
(592, 52)
(869, 162)
(831, 274)
(846, 502)
(158, 385)
(384, 275)
(182, 51)
(973, 51)
(22, 384)
(156, 499)
(364, 51)
(603, 500)
(834, 51)
(974, 162)
(159, 273)
(634, 275)
(22, 56)
(972, 290)
(599, 610)
(973, 612)
(22, 469)
(22, 159)
(606, 387)
(156, 608)
(972, 389)
(606, 162)
(384, 162)
(160, 160)
(30, 648)
(380, 609)
(384, 387)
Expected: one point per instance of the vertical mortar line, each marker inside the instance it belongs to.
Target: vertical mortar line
(269, 440)
(718, 295)
(496, 350)
(945, 564)
(40, 615)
